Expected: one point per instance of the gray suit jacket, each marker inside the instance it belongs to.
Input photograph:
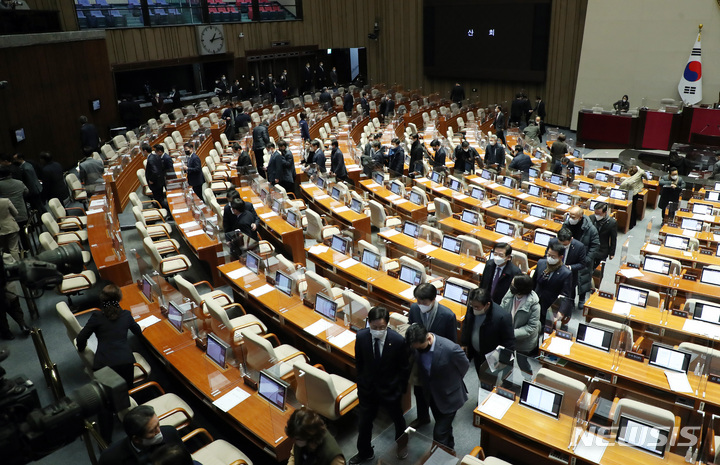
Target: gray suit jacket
(445, 384)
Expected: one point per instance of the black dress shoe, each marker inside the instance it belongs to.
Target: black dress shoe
(8, 336)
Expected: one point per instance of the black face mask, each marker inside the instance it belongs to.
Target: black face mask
(426, 349)
(188, 152)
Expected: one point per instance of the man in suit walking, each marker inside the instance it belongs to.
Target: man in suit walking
(364, 104)
(551, 280)
(155, 173)
(337, 162)
(499, 124)
(437, 319)
(442, 364)
(382, 362)
(607, 233)
(575, 260)
(275, 164)
(348, 102)
(287, 179)
(495, 154)
(194, 169)
(499, 272)
(261, 138)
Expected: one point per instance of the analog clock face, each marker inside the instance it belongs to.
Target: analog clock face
(212, 39)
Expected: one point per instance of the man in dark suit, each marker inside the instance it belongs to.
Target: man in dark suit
(486, 326)
(239, 217)
(337, 162)
(275, 164)
(307, 78)
(441, 364)
(52, 177)
(130, 112)
(390, 108)
(499, 124)
(574, 259)
(437, 319)
(566, 167)
(260, 139)
(439, 157)
(457, 94)
(144, 436)
(417, 153)
(465, 157)
(287, 180)
(334, 78)
(242, 120)
(318, 156)
(607, 233)
(494, 154)
(89, 138)
(499, 272)
(382, 362)
(348, 102)
(539, 109)
(304, 128)
(155, 173)
(552, 279)
(320, 75)
(516, 110)
(522, 162)
(194, 169)
(364, 104)
(229, 118)
(396, 157)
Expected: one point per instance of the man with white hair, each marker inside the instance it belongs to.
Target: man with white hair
(495, 154)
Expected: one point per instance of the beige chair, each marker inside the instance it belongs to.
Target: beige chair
(48, 243)
(642, 411)
(332, 396)
(315, 225)
(477, 456)
(66, 222)
(387, 264)
(689, 305)
(702, 354)
(216, 452)
(470, 246)
(143, 182)
(217, 186)
(290, 198)
(462, 283)
(194, 126)
(77, 190)
(329, 231)
(168, 266)
(189, 290)
(574, 391)
(170, 409)
(151, 214)
(414, 264)
(261, 354)
(108, 152)
(233, 328)
(165, 246)
(318, 284)
(153, 230)
(423, 199)
(62, 237)
(74, 283)
(443, 209)
(520, 259)
(620, 329)
(379, 218)
(430, 234)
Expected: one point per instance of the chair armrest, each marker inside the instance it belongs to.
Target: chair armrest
(593, 403)
(182, 258)
(239, 462)
(69, 221)
(172, 412)
(144, 371)
(478, 452)
(711, 444)
(319, 366)
(76, 208)
(169, 241)
(197, 432)
(272, 337)
(637, 344)
(148, 385)
(75, 289)
(613, 408)
(247, 325)
(151, 202)
(235, 304)
(293, 355)
(82, 312)
(341, 396)
(205, 282)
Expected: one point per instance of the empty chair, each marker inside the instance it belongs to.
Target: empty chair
(234, 327)
(430, 234)
(170, 409)
(164, 245)
(318, 284)
(78, 192)
(168, 266)
(47, 242)
(293, 122)
(121, 143)
(155, 213)
(169, 144)
(470, 246)
(653, 299)
(415, 265)
(224, 140)
(194, 126)
(177, 138)
(143, 182)
(462, 283)
(572, 389)
(165, 119)
(315, 225)
(131, 138)
(342, 117)
(178, 114)
(700, 350)
(379, 218)
(108, 152)
(190, 291)
(332, 396)
(216, 185)
(622, 330)
(690, 304)
(205, 122)
(64, 237)
(66, 222)
(261, 353)
(217, 452)
(645, 412)
(521, 260)
(215, 101)
(153, 230)
(443, 209)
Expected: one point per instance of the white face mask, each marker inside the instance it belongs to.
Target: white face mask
(599, 217)
(425, 308)
(492, 142)
(573, 221)
(552, 261)
(378, 333)
(300, 443)
(499, 261)
(479, 312)
(155, 440)
(674, 177)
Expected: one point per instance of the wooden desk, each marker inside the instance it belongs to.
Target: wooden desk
(404, 208)
(326, 205)
(685, 213)
(688, 258)
(705, 238)
(126, 180)
(105, 241)
(254, 417)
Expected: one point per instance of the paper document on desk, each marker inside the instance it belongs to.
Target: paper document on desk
(390, 232)
(421, 179)
(631, 273)
(562, 206)
(239, 273)
(348, 263)
(392, 197)
(318, 249)
(372, 185)
(341, 209)
(505, 240)
(493, 185)
(94, 210)
(442, 189)
(652, 248)
(258, 205)
(702, 328)
(268, 215)
(342, 339)
(678, 381)
(231, 399)
(426, 249)
(495, 406)
(180, 210)
(568, 190)
(716, 237)
(195, 232)
(560, 346)
(460, 196)
(189, 224)
(102, 202)
(591, 447)
(479, 268)
(149, 321)
(621, 308)
(174, 194)
(306, 184)
(399, 201)
(523, 196)
(689, 233)
(318, 327)
(601, 198)
(440, 457)
(408, 293)
(321, 197)
(264, 289)
(531, 219)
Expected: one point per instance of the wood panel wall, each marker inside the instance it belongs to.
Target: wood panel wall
(68, 19)
(50, 86)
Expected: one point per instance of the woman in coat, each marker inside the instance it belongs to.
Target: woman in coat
(633, 185)
(524, 305)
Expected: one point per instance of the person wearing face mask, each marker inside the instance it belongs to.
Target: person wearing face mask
(622, 105)
(275, 164)
(396, 154)
(495, 154)
(194, 169)
(551, 280)
(565, 167)
(583, 230)
(465, 157)
(442, 365)
(417, 153)
(438, 159)
(499, 272)
(486, 326)
(314, 445)
(671, 186)
(634, 184)
(437, 319)
(607, 233)
(382, 363)
(144, 436)
(574, 260)
(523, 305)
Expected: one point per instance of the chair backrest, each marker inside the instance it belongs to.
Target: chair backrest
(314, 225)
(443, 209)
(377, 214)
(120, 141)
(572, 389)
(135, 200)
(152, 252)
(137, 213)
(73, 328)
(170, 143)
(356, 302)
(462, 283)
(642, 411)
(213, 117)
(141, 229)
(470, 246)
(260, 353)
(194, 126)
(414, 264)
(363, 244)
(206, 173)
(210, 163)
(177, 137)
(521, 260)
(224, 140)
(50, 223)
(315, 284)
(142, 178)
(421, 193)
(56, 208)
(702, 352)
(315, 389)
(430, 234)
(187, 289)
(689, 305)
(47, 241)
(611, 325)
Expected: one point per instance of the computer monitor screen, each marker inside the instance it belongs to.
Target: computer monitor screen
(537, 211)
(485, 174)
(707, 312)
(415, 198)
(600, 176)
(147, 285)
(277, 205)
(273, 390)
(691, 224)
(632, 295)
(283, 283)
(649, 176)
(477, 193)
(320, 182)
(504, 227)
(335, 193)
(456, 293)
(585, 187)
(356, 206)
(410, 275)
(618, 194)
(216, 350)
(656, 265)
(435, 176)
(717, 186)
(677, 242)
(534, 173)
(709, 276)
(340, 244)
(712, 196)
(563, 198)
(702, 209)
(592, 204)
(642, 435)
(616, 167)
(578, 169)
(371, 259)
(509, 182)
(542, 238)
(470, 217)
(396, 188)
(411, 229)
(541, 398)
(455, 185)
(557, 179)
(379, 177)
(665, 356)
(252, 261)
(451, 244)
(263, 194)
(534, 190)
(175, 316)
(594, 337)
(577, 154)
(292, 218)
(506, 202)
(325, 306)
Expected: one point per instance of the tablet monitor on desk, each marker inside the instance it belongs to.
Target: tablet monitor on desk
(577, 154)
(435, 176)
(642, 435)
(175, 316)
(717, 186)
(509, 182)
(410, 275)
(291, 218)
(563, 198)
(395, 188)
(252, 261)
(558, 179)
(379, 178)
(485, 174)
(371, 259)
(541, 398)
(283, 283)
(710, 276)
(451, 244)
(649, 175)
(702, 209)
(578, 170)
(340, 244)
(455, 185)
(632, 295)
(411, 229)
(325, 306)
(677, 242)
(656, 265)
(618, 194)
(534, 173)
(415, 198)
(616, 167)
(320, 182)
(505, 228)
(477, 193)
(470, 217)
(263, 195)
(537, 211)
(534, 190)
(600, 176)
(594, 337)
(713, 196)
(542, 238)
(277, 206)
(707, 312)
(456, 293)
(506, 202)
(335, 193)
(691, 224)
(668, 357)
(585, 187)
(147, 285)
(217, 350)
(356, 206)
(272, 389)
